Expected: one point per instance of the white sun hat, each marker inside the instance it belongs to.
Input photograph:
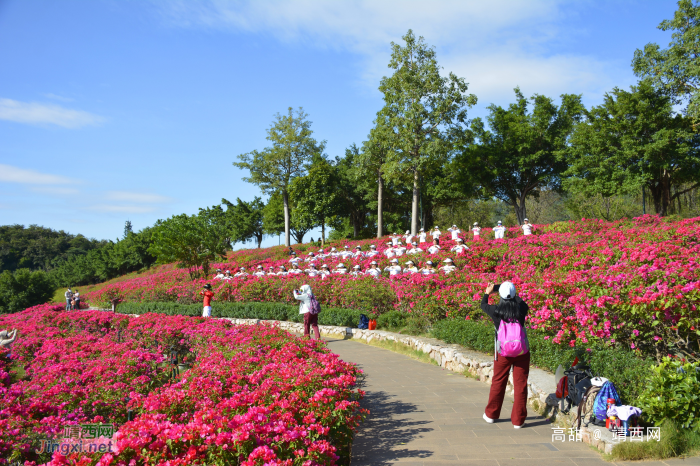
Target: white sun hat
(372, 246)
(345, 247)
(358, 247)
(454, 226)
(527, 220)
(373, 263)
(459, 240)
(260, 266)
(407, 232)
(394, 261)
(421, 229)
(340, 266)
(499, 222)
(356, 267)
(476, 223)
(409, 262)
(507, 290)
(448, 260)
(324, 266)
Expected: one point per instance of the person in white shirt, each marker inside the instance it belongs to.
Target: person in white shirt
(372, 251)
(499, 230)
(346, 253)
(449, 266)
(395, 239)
(373, 270)
(283, 271)
(340, 269)
(436, 233)
(310, 258)
(295, 269)
(411, 269)
(69, 297)
(389, 251)
(324, 271)
(358, 253)
(228, 275)
(435, 247)
(455, 232)
(422, 236)
(320, 254)
(428, 269)
(399, 250)
(408, 237)
(356, 271)
(415, 249)
(260, 272)
(527, 227)
(219, 275)
(271, 271)
(241, 273)
(294, 259)
(394, 268)
(477, 231)
(312, 271)
(460, 247)
(333, 253)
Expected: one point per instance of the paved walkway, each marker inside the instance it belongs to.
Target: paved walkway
(424, 415)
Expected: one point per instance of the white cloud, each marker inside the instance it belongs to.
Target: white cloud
(58, 97)
(123, 208)
(11, 174)
(495, 45)
(140, 198)
(56, 190)
(36, 113)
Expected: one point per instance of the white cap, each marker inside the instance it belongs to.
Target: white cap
(324, 265)
(436, 227)
(527, 220)
(294, 264)
(394, 261)
(476, 223)
(409, 262)
(340, 265)
(499, 222)
(356, 267)
(448, 260)
(260, 266)
(311, 253)
(372, 246)
(429, 263)
(242, 268)
(358, 247)
(373, 263)
(346, 246)
(454, 226)
(414, 243)
(507, 290)
(422, 229)
(459, 240)
(407, 232)
(228, 271)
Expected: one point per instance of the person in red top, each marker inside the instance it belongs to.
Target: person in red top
(208, 294)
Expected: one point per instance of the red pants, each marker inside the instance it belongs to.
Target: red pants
(311, 320)
(499, 381)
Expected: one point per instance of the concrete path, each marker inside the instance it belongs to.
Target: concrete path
(424, 415)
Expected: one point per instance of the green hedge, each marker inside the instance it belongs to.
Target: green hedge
(250, 310)
(627, 371)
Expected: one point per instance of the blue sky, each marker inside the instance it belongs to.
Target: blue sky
(114, 110)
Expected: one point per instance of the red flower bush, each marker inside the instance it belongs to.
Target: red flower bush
(632, 282)
(254, 395)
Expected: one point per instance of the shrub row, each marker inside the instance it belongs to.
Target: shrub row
(250, 310)
(622, 367)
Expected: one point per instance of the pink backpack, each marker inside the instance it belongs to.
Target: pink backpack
(511, 340)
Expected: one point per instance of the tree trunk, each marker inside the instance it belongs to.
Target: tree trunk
(380, 212)
(520, 210)
(259, 238)
(285, 199)
(355, 223)
(414, 206)
(323, 233)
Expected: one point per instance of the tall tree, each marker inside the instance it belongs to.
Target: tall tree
(274, 168)
(353, 204)
(273, 216)
(419, 105)
(127, 228)
(518, 156)
(635, 139)
(315, 196)
(677, 68)
(371, 159)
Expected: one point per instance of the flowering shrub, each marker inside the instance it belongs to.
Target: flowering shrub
(253, 395)
(632, 282)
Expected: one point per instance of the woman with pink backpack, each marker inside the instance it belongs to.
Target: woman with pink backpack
(309, 308)
(511, 350)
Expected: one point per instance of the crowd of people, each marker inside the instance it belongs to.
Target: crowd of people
(313, 264)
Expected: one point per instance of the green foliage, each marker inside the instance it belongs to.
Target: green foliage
(274, 168)
(392, 320)
(675, 69)
(627, 371)
(245, 220)
(248, 310)
(193, 241)
(634, 139)
(518, 155)
(673, 392)
(23, 289)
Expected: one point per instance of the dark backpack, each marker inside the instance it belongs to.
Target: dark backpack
(364, 322)
(314, 306)
(578, 380)
(585, 412)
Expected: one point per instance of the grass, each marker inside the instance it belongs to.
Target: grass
(400, 348)
(675, 441)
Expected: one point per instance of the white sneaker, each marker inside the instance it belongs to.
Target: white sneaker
(487, 419)
(517, 427)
